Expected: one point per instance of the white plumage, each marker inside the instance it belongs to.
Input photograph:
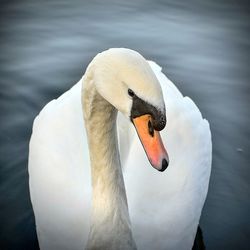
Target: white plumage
(164, 207)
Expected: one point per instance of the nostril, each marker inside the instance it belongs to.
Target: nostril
(164, 165)
(150, 128)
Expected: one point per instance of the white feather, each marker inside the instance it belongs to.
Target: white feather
(164, 207)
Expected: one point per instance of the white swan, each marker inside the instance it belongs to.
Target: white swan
(80, 201)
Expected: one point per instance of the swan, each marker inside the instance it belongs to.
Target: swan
(91, 184)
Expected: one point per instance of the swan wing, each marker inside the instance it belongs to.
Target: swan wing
(59, 173)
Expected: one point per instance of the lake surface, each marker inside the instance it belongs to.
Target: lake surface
(203, 47)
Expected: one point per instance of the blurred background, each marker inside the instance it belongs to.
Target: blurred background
(203, 47)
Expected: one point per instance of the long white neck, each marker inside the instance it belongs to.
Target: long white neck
(110, 224)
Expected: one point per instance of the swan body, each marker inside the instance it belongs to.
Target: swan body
(163, 209)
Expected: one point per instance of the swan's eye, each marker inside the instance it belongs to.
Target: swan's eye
(150, 128)
(131, 92)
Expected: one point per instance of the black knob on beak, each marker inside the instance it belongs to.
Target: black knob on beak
(159, 122)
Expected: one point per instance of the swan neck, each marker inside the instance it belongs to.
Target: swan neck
(110, 224)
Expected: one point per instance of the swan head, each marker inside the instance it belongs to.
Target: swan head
(124, 78)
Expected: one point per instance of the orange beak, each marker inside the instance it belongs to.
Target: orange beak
(152, 142)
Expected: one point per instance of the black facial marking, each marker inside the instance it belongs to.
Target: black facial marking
(141, 107)
(131, 92)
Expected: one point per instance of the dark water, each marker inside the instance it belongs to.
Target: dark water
(203, 46)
